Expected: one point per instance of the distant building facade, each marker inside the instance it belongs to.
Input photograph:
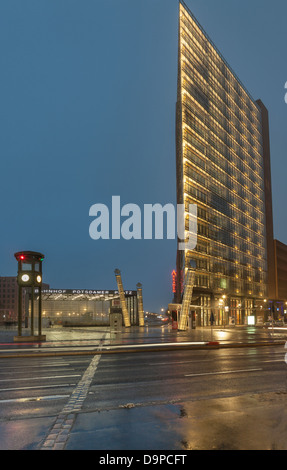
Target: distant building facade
(9, 300)
(223, 166)
(280, 255)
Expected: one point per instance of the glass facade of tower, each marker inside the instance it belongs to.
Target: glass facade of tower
(220, 168)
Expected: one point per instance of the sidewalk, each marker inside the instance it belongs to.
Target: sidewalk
(151, 336)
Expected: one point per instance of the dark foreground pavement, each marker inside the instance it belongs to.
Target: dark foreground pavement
(248, 422)
(255, 422)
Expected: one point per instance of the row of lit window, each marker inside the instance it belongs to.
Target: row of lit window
(219, 222)
(221, 156)
(246, 191)
(190, 107)
(215, 218)
(207, 48)
(237, 249)
(227, 273)
(229, 238)
(231, 150)
(210, 122)
(239, 227)
(217, 162)
(244, 260)
(228, 210)
(206, 101)
(236, 122)
(238, 195)
(209, 76)
(221, 198)
(206, 76)
(227, 254)
(229, 270)
(240, 288)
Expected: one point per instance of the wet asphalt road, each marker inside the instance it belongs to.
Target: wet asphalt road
(144, 400)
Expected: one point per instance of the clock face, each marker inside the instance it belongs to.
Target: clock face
(39, 279)
(25, 278)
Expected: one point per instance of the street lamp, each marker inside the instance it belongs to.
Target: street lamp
(30, 275)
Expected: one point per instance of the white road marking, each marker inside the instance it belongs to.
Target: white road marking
(73, 405)
(223, 372)
(39, 350)
(197, 361)
(36, 387)
(41, 378)
(22, 400)
(61, 364)
(149, 345)
(50, 370)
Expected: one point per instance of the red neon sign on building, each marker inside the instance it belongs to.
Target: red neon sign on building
(174, 279)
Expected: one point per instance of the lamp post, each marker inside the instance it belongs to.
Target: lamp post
(30, 276)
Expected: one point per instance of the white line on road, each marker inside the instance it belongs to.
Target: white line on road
(42, 378)
(51, 370)
(224, 372)
(110, 347)
(149, 345)
(45, 366)
(197, 361)
(36, 387)
(22, 400)
(59, 433)
(39, 350)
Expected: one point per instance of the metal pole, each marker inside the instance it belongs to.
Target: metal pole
(40, 312)
(272, 317)
(32, 310)
(19, 311)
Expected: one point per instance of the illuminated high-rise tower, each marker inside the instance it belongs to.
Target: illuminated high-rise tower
(223, 166)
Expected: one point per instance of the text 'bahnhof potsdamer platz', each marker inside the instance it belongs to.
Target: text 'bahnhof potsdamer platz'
(223, 166)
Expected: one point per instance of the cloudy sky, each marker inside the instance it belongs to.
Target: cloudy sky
(87, 109)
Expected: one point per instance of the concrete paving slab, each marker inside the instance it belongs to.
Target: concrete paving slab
(24, 434)
(126, 429)
(255, 422)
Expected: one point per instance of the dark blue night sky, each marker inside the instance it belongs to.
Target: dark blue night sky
(87, 106)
